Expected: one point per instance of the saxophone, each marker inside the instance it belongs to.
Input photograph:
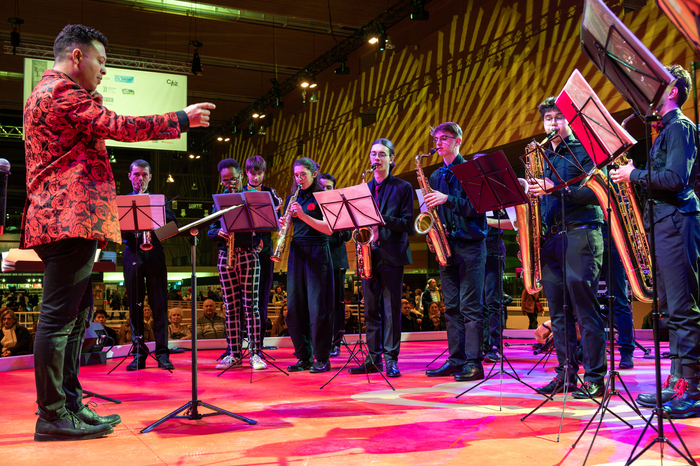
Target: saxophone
(428, 223)
(363, 238)
(625, 226)
(282, 234)
(529, 217)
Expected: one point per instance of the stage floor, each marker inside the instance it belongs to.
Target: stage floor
(350, 421)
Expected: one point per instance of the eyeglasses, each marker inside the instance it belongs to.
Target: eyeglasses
(557, 118)
(378, 154)
(443, 139)
(231, 181)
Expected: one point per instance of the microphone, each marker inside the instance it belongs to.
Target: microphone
(4, 172)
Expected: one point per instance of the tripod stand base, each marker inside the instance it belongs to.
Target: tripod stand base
(661, 439)
(194, 414)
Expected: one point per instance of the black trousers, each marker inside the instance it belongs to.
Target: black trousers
(463, 288)
(677, 265)
(267, 268)
(382, 295)
(584, 257)
(492, 303)
(64, 316)
(339, 306)
(310, 300)
(148, 266)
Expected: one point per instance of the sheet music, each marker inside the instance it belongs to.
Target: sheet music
(150, 211)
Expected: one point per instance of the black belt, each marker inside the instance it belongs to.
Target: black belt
(554, 229)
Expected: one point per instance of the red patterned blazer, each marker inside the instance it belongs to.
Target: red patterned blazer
(70, 185)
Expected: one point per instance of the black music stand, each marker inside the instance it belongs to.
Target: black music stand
(603, 140)
(192, 407)
(644, 83)
(491, 185)
(352, 208)
(255, 212)
(138, 214)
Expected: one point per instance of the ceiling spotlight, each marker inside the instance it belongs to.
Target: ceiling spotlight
(277, 103)
(314, 97)
(255, 114)
(343, 69)
(227, 139)
(261, 130)
(419, 14)
(312, 83)
(198, 157)
(382, 41)
(170, 179)
(305, 83)
(374, 39)
(220, 138)
(196, 62)
(192, 156)
(389, 44)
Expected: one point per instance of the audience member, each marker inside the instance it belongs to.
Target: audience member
(210, 325)
(14, 339)
(177, 330)
(148, 316)
(279, 329)
(124, 334)
(431, 295)
(101, 317)
(351, 325)
(279, 296)
(408, 319)
(407, 293)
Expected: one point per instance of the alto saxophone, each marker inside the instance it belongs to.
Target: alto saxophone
(625, 226)
(529, 218)
(428, 223)
(363, 238)
(282, 234)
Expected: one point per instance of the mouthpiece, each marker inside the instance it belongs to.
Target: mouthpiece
(373, 167)
(433, 151)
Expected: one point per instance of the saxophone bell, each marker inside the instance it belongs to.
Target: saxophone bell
(146, 245)
(363, 238)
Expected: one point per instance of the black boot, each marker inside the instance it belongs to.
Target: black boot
(668, 389)
(686, 402)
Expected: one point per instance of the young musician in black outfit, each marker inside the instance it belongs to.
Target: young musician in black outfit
(463, 278)
(149, 266)
(390, 252)
(310, 279)
(677, 241)
(339, 256)
(578, 235)
(255, 169)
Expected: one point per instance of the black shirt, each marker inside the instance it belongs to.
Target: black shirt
(457, 214)
(303, 233)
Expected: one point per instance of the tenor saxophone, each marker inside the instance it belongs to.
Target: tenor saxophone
(625, 226)
(363, 238)
(282, 234)
(529, 217)
(428, 223)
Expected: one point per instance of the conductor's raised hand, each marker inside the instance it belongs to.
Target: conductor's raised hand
(198, 114)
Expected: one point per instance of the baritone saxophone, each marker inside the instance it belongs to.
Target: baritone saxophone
(529, 216)
(428, 223)
(626, 226)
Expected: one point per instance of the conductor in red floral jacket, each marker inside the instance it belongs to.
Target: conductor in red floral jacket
(71, 209)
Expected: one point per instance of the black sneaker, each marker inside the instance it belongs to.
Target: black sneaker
(320, 366)
(301, 365)
(626, 361)
(69, 427)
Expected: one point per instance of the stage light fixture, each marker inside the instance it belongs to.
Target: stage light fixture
(343, 69)
(313, 98)
(261, 130)
(382, 41)
(373, 39)
(14, 34)
(419, 14)
(170, 179)
(277, 103)
(196, 62)
(312, 83)
(255, 114)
